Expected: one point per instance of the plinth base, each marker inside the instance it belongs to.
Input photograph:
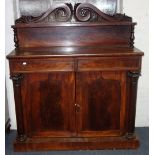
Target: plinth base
(45, 144)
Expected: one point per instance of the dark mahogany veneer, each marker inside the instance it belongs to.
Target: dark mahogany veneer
(75, 84)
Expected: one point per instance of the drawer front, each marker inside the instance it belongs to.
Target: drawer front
(109, 63)
(41, 65)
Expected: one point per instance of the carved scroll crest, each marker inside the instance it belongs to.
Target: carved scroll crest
(59, 13)
(88, 12)
(81, 12)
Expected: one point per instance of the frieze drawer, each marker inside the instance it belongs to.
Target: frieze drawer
(109, 63)
(25, 65)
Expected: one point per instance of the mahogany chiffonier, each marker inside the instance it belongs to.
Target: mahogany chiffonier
(75, 71)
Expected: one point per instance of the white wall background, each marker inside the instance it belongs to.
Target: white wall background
(9, 45)
(138, 9)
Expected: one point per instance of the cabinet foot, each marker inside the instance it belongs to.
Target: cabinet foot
(130, 136)
(7, 126)
(21, 138)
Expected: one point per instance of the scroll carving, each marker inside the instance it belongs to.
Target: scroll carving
(59, 13)
(88, 12)
(81, 12)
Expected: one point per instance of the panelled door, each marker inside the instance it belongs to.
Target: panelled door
(74, 103)
(100, 103)
(48, 101)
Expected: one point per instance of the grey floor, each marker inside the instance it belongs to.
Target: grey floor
(143, 134)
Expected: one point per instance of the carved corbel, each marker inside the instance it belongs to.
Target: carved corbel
(16, 37)
(132, 37)
(16, 78)
(134, 76)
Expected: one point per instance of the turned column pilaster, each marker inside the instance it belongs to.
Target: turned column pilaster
(132, 82)
(16, 78)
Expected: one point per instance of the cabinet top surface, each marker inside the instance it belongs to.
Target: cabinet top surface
(73, 52)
